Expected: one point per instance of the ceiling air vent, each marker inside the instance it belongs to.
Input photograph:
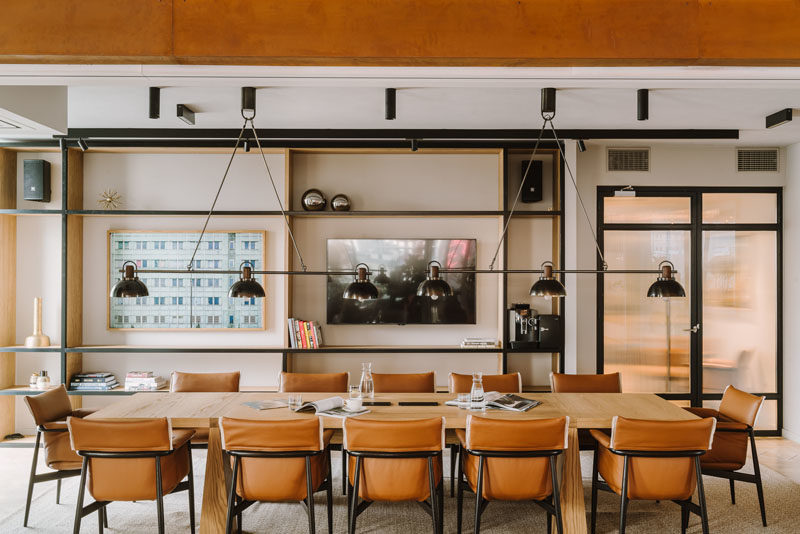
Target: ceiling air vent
(628, 159)
(757, 159)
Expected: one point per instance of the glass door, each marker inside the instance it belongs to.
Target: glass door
(726, 246)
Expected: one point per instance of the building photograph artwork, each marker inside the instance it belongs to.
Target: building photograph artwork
(185, 300)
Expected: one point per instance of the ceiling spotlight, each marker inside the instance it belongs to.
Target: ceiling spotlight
(780, 117)
(547, 285)
(248, 101)
(246, 287)
(549, 101)
(247, 145)
(83, 145)
(391, 104)
(361, 288)
(129, 286)
(665, 285)
(155, 102)
(581, 145)
(414, 145)
(433, 286)
(186, 114)
(642, 104)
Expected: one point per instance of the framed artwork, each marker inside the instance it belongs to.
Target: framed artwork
(186, 300)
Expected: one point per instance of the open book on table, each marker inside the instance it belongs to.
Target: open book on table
(331, 407)
(504, 401)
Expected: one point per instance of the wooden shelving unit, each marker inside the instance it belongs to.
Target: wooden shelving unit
(70, 347)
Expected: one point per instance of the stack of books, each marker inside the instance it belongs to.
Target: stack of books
(480, 343)
(143, 381)
(304, 334)
(93, 382)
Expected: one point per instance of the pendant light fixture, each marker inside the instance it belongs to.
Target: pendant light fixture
(548, 286)
(382, 277)
(665, 285)
(433, 286)
(129, 286)
(361, 288)
(246, 287)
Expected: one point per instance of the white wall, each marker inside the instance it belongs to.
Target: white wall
(791, 296)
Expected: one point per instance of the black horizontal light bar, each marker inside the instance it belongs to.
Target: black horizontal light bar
(779, 117)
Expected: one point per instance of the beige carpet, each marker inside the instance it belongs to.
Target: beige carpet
(782, 495)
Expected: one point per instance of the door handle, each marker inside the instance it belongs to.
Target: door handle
(695, 329)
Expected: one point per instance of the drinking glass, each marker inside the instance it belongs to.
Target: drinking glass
(355, 391)
(463, 400)
(295, 401)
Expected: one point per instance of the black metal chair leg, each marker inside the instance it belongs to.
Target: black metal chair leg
(595, 484)
(432, 490)
(58, 491)
(76, 526)
(30, 480)
(354, 496)
(759, 486)
(733, 491)
(701, 494)
(344, 471)
(684, 518)
(459, 497)
(191, 488)
(549, 520)
(556, 496)
(232, 496)
(440, 501)
(100, 519)
(239, 527)
(310, 497)
(159, 497)
(329, 494)
(105, 516)
(479, 495)
(623, 505)
(453, 459)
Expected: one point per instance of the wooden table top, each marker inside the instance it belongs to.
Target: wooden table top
(586, 410)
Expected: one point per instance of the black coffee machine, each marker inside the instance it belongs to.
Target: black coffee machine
(522, 327)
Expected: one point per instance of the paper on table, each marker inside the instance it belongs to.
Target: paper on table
(266, 404)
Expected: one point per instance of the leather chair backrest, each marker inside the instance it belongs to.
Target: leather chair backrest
(564, 383)
(740, 406)
(313, 382)
(647, 435)
(52, 405)
(204, 382)
(120, 436)
(508, 383)
(404, 382)
(271, 436)
(394, 436)
(485, 434)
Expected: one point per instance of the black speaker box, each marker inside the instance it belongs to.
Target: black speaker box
(37, 180)
(550, 332)
(532, 192)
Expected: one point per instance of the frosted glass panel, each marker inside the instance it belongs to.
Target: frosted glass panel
(645, 338)
(671, 210)
(739, 311)
(741, 208)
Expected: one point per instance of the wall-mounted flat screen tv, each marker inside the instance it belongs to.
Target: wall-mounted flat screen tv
(398, 266)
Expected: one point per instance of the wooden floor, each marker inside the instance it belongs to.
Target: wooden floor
(780, 455)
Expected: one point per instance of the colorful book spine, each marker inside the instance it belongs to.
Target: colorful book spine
(297, 334)
(307, 330)
(93, 379)
(139, 374)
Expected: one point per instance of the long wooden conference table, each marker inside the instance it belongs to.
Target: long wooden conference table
(202, 410)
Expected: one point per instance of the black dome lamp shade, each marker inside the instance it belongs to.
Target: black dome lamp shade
(361, 288)
(547, 285)
(246, 287)
(129, 286)
(665, 285)
(433, 286)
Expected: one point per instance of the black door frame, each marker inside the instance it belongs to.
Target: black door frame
(696, 228)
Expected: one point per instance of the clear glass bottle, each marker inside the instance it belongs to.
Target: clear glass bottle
(366, 385)
(34, 380)
(476, 400)
(43, 382)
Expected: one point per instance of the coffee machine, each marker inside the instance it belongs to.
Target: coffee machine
(522, 327)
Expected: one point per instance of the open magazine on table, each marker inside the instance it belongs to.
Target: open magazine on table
(331, 407)
(504, 401)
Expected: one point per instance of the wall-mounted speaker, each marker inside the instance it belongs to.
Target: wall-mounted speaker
(36, 180)
(532, 192)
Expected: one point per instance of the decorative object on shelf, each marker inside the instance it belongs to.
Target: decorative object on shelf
(143, 381)
(665, 285)
(548, 286)
(340, 203)
(313, 200)
(37, 339)
(33, 380)
(433, 286)
(43, 381)
(304, 334)
(129, 286)
(361, 288)
(246, 287)
(181, 299)
(480, 343)
(110, 200)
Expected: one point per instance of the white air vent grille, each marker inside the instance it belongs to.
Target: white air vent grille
(628, 159)
(757, 159)
(5, 124)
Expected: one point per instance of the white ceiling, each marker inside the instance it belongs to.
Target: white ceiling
(352, 97)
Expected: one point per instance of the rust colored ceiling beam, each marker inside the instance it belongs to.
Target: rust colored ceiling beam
(402, 32)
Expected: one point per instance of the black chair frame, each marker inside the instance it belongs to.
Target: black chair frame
(755, 478)
(687, 505)
(552, 505)
(434, 508)
(100, 506)
(236, 505)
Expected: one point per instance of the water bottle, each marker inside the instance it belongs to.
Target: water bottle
(366, 386)
(476, 398)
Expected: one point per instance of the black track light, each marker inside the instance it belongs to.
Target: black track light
(248, 101)
(581, 145)
(247, 145)
(391, 104)
(414, 145)
(83, 145)
(780, 117)
(642, 104)
(549, 101)
(155, 102)
(186, 114)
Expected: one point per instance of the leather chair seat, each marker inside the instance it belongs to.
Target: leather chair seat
(729, 450)
(110, 479)
(648, 478)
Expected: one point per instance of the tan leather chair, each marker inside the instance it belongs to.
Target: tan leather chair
(204, 382)
(511, 461)
(564, 383)
(139, 460)
(404, 382)
(395, 461)
(50, 411)
(313, 382)
(507, 383)
(277, 461)
(735, 420)
(652, 460)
